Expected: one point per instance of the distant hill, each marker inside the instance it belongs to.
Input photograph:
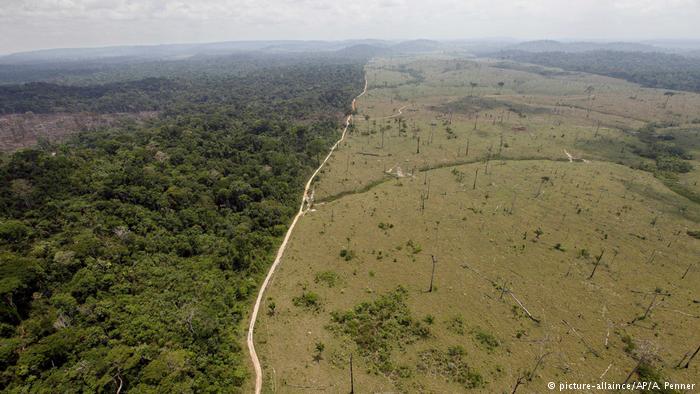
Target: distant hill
(178, 51)
(695, 53)
(355, 48)
(574, 47)
(363, 50)
(418, 46)
(171, 51)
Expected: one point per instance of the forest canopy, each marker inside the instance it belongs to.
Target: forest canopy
(128, 256)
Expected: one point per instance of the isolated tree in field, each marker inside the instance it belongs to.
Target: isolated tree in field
(657, 292)
(543, 180)
(668, 97)
(589, 91)
(473, 85)
(500, 146)
(488, 158)
(320, 347)
(382, 129)
(500, 86)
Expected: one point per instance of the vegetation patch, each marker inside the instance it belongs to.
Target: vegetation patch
(456, 325)
(328, 278)
(450, 365)
(473, 105)
(347, 254)
(308, 300)
(486, 339)
(379, 327)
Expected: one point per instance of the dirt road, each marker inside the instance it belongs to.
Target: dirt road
(303, 208)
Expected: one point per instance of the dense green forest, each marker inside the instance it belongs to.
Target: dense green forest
(654, 70)
(288, 87)
(128, 257)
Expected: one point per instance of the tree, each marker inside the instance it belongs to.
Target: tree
(668, 97)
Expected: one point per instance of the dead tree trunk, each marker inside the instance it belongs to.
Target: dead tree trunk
(476, 175)
(432, 274)
(686, 271)
(651, 305)
(537, 365)
(687, 363)
(633, 371)
(521, 380)
(597, 262)
(352, 379)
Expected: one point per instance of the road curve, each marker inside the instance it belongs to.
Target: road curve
(396, 114)
(303, 208)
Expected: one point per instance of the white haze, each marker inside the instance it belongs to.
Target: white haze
(34, 24)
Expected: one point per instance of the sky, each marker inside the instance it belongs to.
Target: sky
(39, 24)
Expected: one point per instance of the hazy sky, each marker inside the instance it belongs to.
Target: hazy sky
(34, 24)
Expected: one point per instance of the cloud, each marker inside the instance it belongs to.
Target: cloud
(29, 24)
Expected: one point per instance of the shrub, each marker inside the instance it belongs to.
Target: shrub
(450, 366)
(456, 325)
(487, 340)
(329, 278)
(415, 247)
(347, 254)
(308, 300)
(385, 226)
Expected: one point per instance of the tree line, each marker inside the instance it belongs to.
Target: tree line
(654, 70)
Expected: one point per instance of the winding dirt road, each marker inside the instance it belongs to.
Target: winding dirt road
(303, 208)
(399, 113)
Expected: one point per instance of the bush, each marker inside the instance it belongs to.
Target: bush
(673, 164)
(487, 340)
(347, 254)
(450, 366)
(308, 300)
(329, 278)
(14, 232)
(456, 325)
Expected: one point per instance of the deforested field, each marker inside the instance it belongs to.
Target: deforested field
(491, 224)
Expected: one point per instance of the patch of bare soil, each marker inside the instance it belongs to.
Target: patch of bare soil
(19, 131)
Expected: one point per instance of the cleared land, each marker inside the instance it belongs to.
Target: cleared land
(547, 269)
(19, 131)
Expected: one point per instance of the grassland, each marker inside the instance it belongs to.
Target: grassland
(546, 268)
